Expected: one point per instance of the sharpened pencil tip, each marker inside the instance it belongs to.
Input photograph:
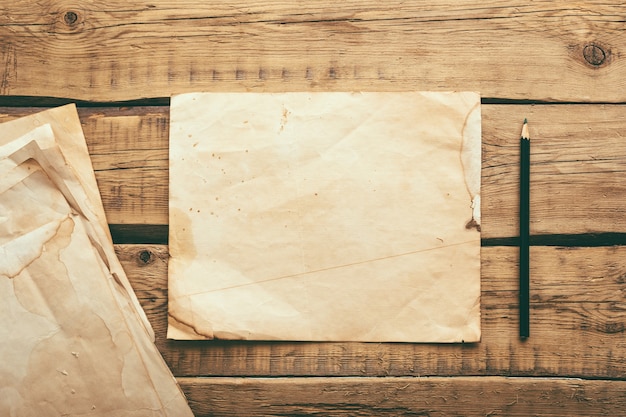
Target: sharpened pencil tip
(525, 130)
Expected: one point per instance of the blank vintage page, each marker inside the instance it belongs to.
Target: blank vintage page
(325, 216)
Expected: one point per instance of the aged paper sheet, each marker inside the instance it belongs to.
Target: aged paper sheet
(68, 136)
(73, 340)
(325, 216)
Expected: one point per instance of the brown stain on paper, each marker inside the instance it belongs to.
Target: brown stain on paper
(472, 223)
(182, 228)
(34, 254)
(182, 246)
(51, 362)
(284, 119)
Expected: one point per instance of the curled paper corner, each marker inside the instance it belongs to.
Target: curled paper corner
(177, 328)
(474, 223)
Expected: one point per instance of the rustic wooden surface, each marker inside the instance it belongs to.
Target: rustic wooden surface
(487, 396)
(120, 50)
(560, 65)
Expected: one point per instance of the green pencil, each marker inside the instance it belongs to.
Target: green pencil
(524, 234)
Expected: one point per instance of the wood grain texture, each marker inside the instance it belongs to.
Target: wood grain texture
(539, 51)
(578, 157)
(578, 163)
(464, 396)
(577, 326)
(116, 50)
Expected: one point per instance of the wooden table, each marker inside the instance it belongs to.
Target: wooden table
(558, 64)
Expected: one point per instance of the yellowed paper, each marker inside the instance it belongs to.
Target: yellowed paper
(325, 216)
(68, 137)
(73, 341)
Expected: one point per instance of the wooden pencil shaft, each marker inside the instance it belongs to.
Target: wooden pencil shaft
(524, 290)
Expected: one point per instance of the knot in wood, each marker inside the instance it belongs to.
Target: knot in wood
(70, 18)
(594, 54)
(145, 257)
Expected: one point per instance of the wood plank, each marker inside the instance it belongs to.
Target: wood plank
(578, 158)
(120, 51)
(577, 326)
(578, 161)
(462, 396)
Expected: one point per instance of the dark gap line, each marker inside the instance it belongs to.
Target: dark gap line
(565, 240)
(139, 234)
(207, 344)
(32, 101)
(511, 101)
(158, 235)
(36, 101)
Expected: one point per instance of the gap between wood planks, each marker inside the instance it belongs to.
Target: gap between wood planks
(157, 234)
(36, 101)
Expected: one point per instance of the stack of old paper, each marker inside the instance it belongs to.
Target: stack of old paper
(74, 340)
(325, 216)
